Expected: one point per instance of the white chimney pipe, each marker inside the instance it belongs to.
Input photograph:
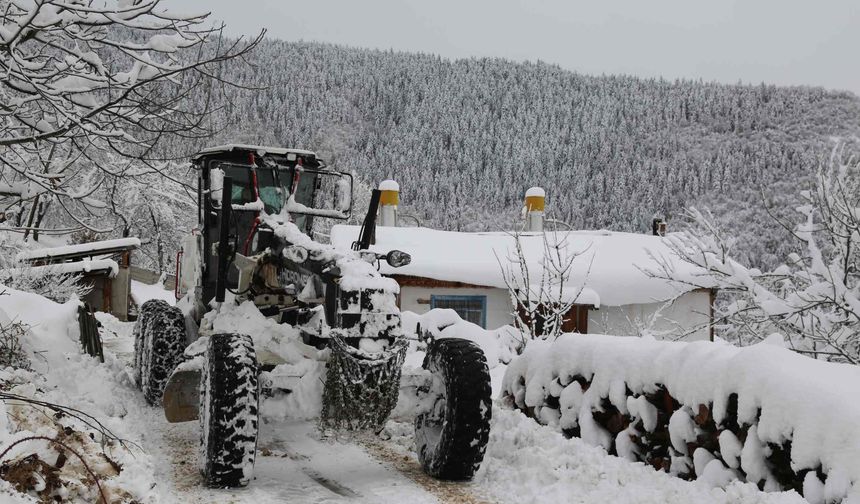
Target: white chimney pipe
(534, 209)
(388, 201)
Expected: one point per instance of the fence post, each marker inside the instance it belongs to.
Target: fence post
(91, 340)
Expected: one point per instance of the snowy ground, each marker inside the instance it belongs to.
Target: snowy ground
(525, 462)
(142, 292)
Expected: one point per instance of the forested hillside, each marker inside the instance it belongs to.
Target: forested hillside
(465, 138)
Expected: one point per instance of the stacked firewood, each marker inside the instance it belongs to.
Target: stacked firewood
(656, 429)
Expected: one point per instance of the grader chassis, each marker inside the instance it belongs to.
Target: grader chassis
(256, 207)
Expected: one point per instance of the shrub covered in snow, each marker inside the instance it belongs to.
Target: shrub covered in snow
(702, 410)
(499, 345)
(47, 281)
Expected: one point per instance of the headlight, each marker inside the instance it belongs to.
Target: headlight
(398, 258)
(296, 254)
(368, 256)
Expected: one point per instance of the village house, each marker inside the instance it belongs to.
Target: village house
(613, 295)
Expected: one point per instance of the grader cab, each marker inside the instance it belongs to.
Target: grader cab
(256, 211)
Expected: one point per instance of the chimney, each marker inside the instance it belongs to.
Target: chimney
(658, 227)
(388, 202)
(535, 198)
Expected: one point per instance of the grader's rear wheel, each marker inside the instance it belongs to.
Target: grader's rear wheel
(159, 344)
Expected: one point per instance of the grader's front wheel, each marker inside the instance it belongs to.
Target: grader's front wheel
(451, 434)
(229, 402)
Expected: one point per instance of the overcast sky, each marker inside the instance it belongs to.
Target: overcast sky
(815, 42)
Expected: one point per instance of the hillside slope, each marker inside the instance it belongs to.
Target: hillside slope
(465, 138)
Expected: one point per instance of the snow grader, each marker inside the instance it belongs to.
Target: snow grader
(256, 207)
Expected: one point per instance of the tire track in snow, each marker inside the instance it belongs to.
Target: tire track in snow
(446, 491)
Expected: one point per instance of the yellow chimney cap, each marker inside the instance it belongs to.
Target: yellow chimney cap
(535, 199)
(390, 193)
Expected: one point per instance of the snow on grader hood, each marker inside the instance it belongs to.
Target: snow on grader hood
(338, 316)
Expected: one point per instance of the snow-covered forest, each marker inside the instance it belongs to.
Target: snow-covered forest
(466, 138)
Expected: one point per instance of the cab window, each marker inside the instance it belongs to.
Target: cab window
(271, 193)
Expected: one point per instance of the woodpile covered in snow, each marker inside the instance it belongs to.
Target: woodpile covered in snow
(706, 411)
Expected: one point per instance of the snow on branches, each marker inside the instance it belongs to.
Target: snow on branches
(88, 91)
(542, 300)
(95, 69)
(814, 299)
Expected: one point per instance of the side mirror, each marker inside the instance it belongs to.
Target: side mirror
(398, 258)
(344, 195)
(216, 185)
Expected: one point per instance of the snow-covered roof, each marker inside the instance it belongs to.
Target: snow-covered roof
(108, 266)
(81, 249)
(608, 265)
(261, 150)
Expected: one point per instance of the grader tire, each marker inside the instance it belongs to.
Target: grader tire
(158, 348)
(451, 438)
(229, 402)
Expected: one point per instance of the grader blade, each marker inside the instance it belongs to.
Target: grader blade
(181, 400)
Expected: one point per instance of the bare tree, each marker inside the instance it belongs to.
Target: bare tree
(542, 297)
(813, 299)
(87, 86)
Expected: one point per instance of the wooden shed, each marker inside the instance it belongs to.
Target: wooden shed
(104, 265)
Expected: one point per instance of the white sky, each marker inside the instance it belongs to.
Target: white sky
(815, 42)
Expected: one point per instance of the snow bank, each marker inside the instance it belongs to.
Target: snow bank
(527, 463)
(701, 410)
(62, 375)
(53, 327)
(499, 345)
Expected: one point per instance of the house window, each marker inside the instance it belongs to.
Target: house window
(471, 308)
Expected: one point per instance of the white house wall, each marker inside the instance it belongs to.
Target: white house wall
(498, 301)
(691, 310)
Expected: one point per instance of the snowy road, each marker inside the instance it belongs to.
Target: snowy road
(293, 463)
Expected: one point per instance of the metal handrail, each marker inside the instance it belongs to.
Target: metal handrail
(417, 221)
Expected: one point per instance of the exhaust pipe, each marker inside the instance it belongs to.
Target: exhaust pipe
(223, 237)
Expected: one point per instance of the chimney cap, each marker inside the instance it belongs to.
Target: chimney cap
(389, 185)
(536, 192)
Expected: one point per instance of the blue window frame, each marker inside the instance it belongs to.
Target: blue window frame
(471, 308)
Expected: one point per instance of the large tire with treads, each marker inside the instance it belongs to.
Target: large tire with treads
(229, 402)
(451, 436)
(159, 344)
